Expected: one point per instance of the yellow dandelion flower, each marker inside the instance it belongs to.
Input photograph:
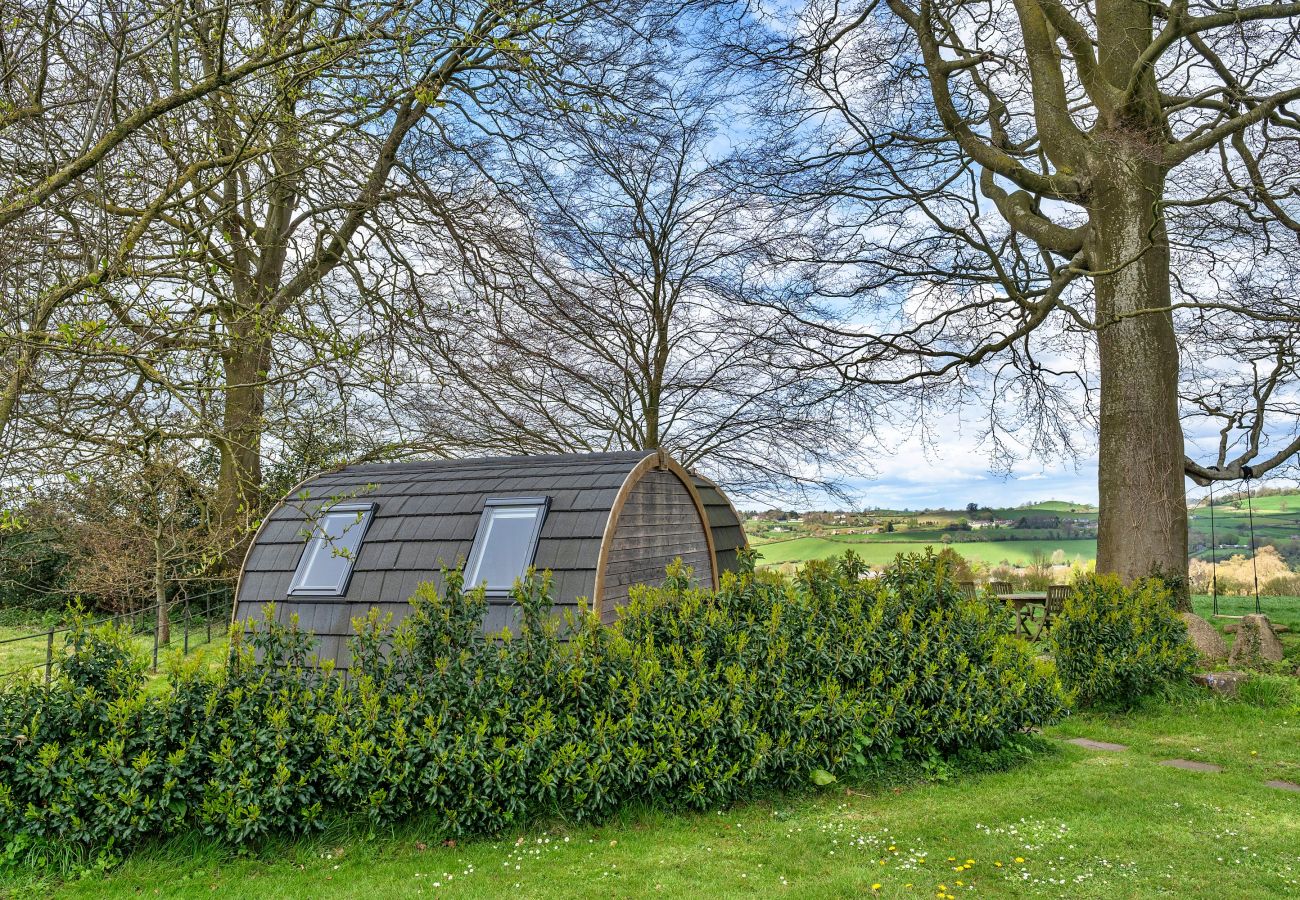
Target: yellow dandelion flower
(1020, 859)
(998, 864)
(876, 886)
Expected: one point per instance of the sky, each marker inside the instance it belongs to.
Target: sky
(951, 470)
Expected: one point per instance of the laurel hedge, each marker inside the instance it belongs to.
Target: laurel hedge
(693, 699)
(1115, 643)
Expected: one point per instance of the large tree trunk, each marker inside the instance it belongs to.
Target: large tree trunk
(1143, 520)
(244, 364)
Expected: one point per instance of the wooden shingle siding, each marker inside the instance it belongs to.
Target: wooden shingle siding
(658, 523)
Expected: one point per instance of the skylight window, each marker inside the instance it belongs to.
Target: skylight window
(505, 543)
(326, 564)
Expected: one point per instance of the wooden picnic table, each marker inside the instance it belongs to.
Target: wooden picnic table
(1025, 602)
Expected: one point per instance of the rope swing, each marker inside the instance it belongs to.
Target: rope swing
(1250, 512)
(1214, 557)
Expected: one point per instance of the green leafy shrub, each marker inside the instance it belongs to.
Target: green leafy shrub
(691, 699)
(1115, 644)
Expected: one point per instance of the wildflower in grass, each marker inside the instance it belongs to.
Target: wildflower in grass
(876, 886)
(1020, 859)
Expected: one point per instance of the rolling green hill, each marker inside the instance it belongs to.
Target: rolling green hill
(1276, 522)
(800, 550)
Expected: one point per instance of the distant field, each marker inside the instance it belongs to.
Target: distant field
(1276, 521)
(1054, 507)
(800, 550)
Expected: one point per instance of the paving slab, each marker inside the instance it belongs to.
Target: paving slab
(1191, 765)
(1283, 785)
(1090, 744)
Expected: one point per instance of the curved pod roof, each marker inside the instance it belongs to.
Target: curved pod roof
(599, 522)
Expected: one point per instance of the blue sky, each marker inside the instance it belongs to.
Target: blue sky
(937, 484)
(955, 471)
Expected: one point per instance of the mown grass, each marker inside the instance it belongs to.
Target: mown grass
(28, 652)
(1280, 610)
(1070, 822)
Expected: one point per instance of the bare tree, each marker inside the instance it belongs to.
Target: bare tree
(615, 307)
(81, 90)
(263, 217)
(1059, 202)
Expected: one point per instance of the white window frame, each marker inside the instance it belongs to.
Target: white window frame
(320, 543)
(490, 508)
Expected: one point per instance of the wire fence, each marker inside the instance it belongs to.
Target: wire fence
(192, 622)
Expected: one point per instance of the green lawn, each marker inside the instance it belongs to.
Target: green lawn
(1281, 610)
(29, 653)
(799, 550)
(1071, 822)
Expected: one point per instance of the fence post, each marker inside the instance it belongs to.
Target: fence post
(155, 646)
(207, 614)
(187, 625)
(49, 654)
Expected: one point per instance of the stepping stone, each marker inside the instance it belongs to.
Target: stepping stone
(1090, 744)
(1191, 765)
(1283, 785)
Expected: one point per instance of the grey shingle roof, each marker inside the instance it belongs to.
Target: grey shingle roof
(728, 530)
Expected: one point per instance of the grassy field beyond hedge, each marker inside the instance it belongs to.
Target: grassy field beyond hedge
(1081, 823)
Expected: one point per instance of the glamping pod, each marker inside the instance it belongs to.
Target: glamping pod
(368, 535)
